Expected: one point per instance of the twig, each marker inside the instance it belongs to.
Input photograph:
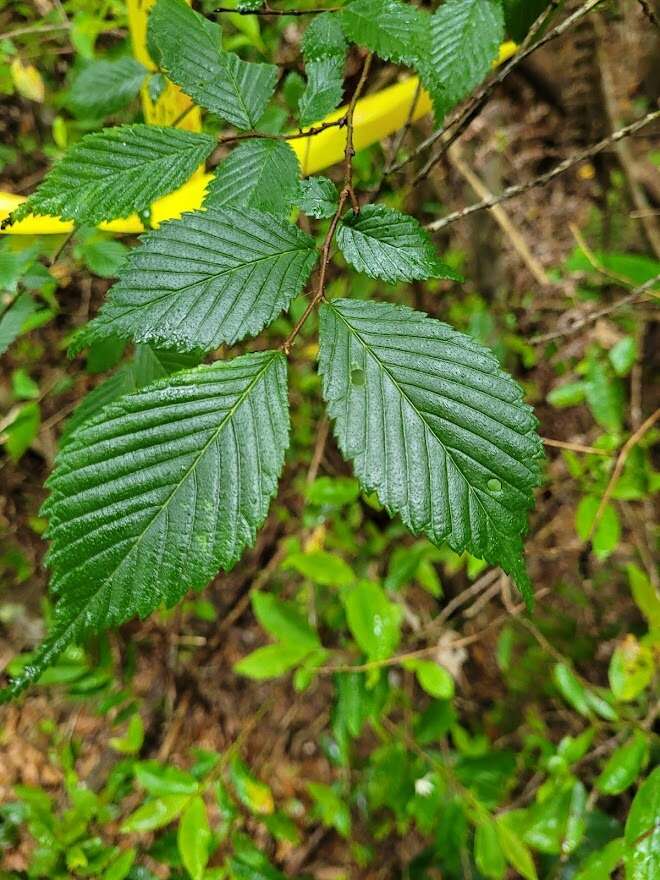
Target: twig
(593, 259)
(626, 449)
(266, 135)
(34, 29)
(595, 316)
(266, 10)
(346, 194)
(568, 163)
(576, 447)
(649, 13)
(504, 222)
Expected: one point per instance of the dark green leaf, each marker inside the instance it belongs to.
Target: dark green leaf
(642, 833)
(104, 87)
(390, 245)
(158, 492)
(117, 171)
(318, 197)
(624, 765)
(434, 426)
(213, 277)
(393, 30)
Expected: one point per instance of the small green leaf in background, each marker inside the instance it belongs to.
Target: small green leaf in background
(642, 832)
(373, 619)
(604, 395)
(432, 678)
(631, 669)
(155, 814)
(600, 864)
(515, 851)
(23, 386)
(608, 531)
(568, 394)
(13, 318)
(318, 197)
(571, 689)
(121, 866)
(488, 855)
(102, 254)
(283, 621)
(20, 432)
(624, 765)
(330, 808)
(194, 838)
(321, 567)
(131, 742)
(252, 792)
(333, 491)
(622, 355)
(103, 87)
(271, 661)
(645, 596)
(160, 779)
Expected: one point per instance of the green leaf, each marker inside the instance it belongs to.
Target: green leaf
(568, 394)
(117, 171)
(194, 838)
(432, 678)
(642, 832)
(161, 779)
(271, 661)
(330, 808)
(155, 814)
(623, 355)
(465, 38)
(631, 669)
(645, 596)
(604, 395)
(600, 864)
(374, 621)
(158, 492)
(283, 621)
(608, 531)
(433, 426)
(261, 174)
(13, 319)
(189, 47)
(571, 689)
(213, 277)
(20, 433)
(624, 765)
(515, 851)
(104, 87)
(387, 244)
(393, 30)
(318, 197)
(322, 567)
(324, 51)
(520, 15)
(120, 868)
(252, 792)
(131, 742)
(488, 855)
(102, 254)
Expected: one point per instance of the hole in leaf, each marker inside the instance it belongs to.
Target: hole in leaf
(494, 485)
(357, 377)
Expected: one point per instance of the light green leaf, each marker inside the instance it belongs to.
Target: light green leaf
(622, 355)
(604, 395)
(322, 567)
(433, 678)
(624, 765)
(608, 531)
(104, 87)
(318, 197)
(631, 669)
(515, 851)
(121, 866)
(571, 688)
(261, 174)
(645, 596)
(283, 621)
(330, 808)
(393, 30)
(162, 779)
(213, 277)
(374, 621)
(390, 245)
(117, 171)
(175, 478)
(22, 430)
(252, 792)
(601, 864)
(194, 838)
(271, 661)
(434, 426)
(131, 742)
(642, 832)
(189, 48)
(488, 855)
(155, 814)
(568, 394)
(465, 38)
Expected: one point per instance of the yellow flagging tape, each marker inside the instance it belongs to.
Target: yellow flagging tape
(375, 117)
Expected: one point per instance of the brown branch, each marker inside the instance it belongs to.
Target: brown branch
(269, 136)
(520, 188)
(649, 13)
(575, 447)
(589, 319)
(626, 449)
(346, 194)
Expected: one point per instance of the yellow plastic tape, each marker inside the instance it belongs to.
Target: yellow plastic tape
(375, 117)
